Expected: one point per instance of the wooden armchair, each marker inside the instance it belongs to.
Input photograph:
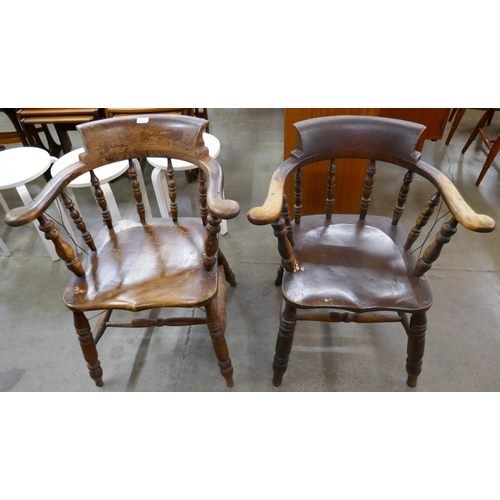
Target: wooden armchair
(142, 264)
(358, 268)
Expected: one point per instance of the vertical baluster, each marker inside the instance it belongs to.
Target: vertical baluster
(365, 200)
(101, 201)
(297, 208)
(284, 246)
(330, 190)
(422, 220)
(136, 188)
(286, 216)
(171, 190)
(403, 196)
(448, 229)
(202, 179)
(63, 249)
(78, 221)
(211, 242)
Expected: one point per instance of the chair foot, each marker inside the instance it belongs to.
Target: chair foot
(215, 326)
(279, 276)
(284, 342)
(88, 347)
(416, 345)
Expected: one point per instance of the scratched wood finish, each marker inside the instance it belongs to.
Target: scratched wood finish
(143, 264)
(350, 267)
(350, 172)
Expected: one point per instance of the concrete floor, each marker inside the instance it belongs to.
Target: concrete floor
(40, 351)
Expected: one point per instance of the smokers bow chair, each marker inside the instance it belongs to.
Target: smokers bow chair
(146, 263)
(358, 268)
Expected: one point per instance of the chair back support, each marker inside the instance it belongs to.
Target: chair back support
(134, 137)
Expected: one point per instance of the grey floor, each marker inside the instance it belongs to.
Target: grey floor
(40, 351)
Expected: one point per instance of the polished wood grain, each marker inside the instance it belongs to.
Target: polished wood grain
(358, 267)
(141, 264)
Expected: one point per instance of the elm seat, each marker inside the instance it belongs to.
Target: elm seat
(358, 268)
(331, 254)
(162, 252)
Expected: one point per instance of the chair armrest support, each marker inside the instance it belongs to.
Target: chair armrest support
(459, 208)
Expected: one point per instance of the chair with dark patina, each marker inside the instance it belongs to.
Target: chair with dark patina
(359, 267)
(146, 263)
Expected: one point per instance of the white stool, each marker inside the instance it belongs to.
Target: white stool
(18, 166)
(159, 181)
(105, 174)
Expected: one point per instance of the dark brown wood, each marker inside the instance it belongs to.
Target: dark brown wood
(63, 249)
(403, 196)
(432, 252)
(286, 217)
(330, 190)
(297, 208)
(422, 220)
(351, 172)
(101, 200)
(172, 194)
(416, 345)
(136, 189)
(87, 345)
(358, 267)
(367, 190)
(138, 265)
(78, 221)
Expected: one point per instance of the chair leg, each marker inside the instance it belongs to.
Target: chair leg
(228, 272)
(279, 276)
(215, 326)
(459, 115)
(480, 124)
(495, 148)
(87, 344)
(416, 345)
(284, 342)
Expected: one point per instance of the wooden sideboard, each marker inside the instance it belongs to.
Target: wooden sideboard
(350, 173)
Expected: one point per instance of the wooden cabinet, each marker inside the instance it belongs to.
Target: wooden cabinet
(349, 172)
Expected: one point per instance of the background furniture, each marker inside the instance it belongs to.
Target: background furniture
(492, 144)
(358, 268)
(37, 120)
(351, 172)
(15, 136)
(458, 114)
(18, 166)
(141, 264)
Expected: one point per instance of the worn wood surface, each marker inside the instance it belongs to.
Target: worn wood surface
(142, 264)
(357, 267)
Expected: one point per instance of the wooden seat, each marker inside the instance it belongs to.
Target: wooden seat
(146, 263)
(358, 267)
(493, 145)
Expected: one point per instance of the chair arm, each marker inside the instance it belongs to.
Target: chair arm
(23, 215)
(459, 208)
(220, 207)
(271, 209)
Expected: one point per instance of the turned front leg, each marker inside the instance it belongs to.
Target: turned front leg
(87, 345)
(284, 342)
(219, 343)
(416, 345)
